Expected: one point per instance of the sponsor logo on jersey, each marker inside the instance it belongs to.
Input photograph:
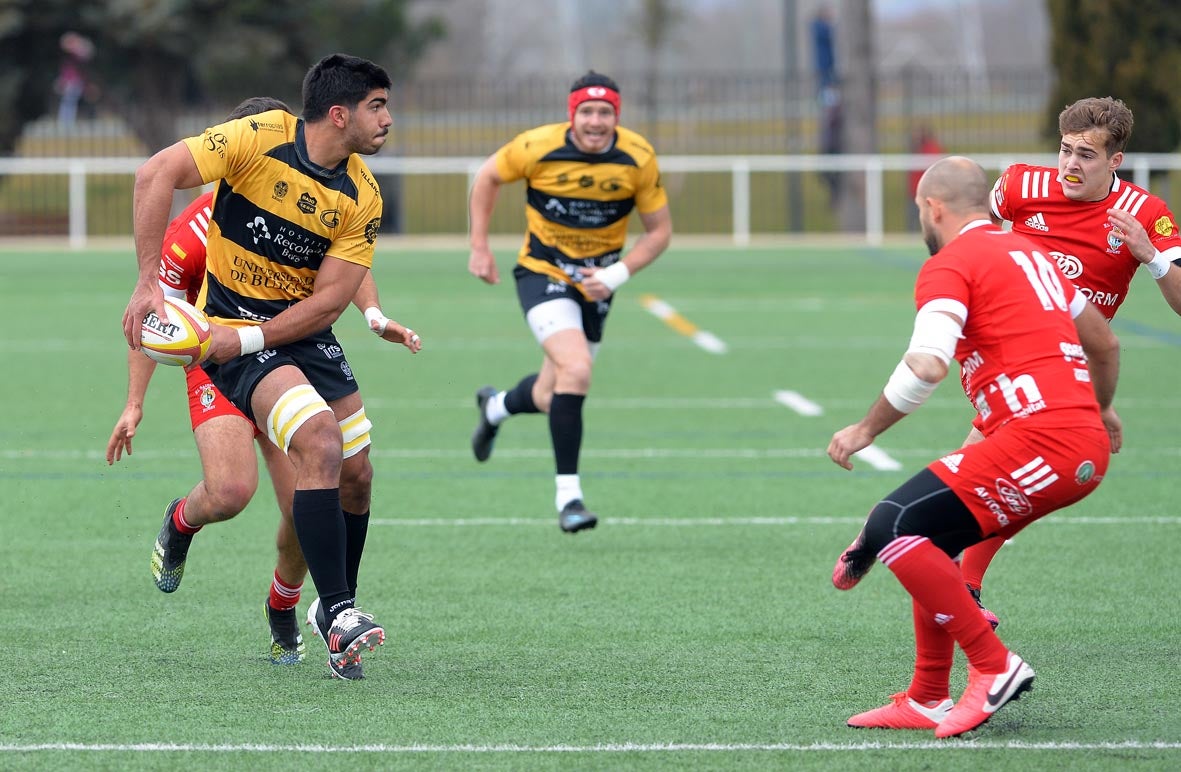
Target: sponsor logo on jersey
(266, 125)
(554, 205)
(555, 288)
(942, 619)
(1011, 497)
(306, 203)
(1070, 265)
(1038, 222)
(1082, 376)
(1084, 473)
(330, 218)
(952, 462)
(1164, 226)
(330, 351)
(258, 229)
(993, 507)
(215, 142)
(586, 181)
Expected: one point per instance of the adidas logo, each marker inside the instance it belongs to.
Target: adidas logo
(942, 619)
(952, 462)
(1038, 222)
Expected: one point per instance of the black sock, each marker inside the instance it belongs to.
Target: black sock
(519, 399)
(565, 429)
(320, 527)
(356, 527)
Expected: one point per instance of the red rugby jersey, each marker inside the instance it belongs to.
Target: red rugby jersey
(1078, 235)
(182, 257)
(1020, 353)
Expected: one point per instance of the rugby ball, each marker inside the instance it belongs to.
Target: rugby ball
(182, 339)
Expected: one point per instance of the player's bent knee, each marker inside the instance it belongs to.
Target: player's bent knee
(229, 497)
(291, 411)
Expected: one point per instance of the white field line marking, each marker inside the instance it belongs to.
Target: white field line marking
(793, 400)
(691, 522)
(878, 459)
(667, 314)
(975, 745)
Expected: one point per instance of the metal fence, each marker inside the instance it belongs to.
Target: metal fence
(685, 115)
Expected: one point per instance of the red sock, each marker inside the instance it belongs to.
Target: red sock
(976, 560)
(934, 651)
(936, 584)
(284, 596)
(178, 518)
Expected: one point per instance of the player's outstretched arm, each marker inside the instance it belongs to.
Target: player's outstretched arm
(481, 200)
(139, 374)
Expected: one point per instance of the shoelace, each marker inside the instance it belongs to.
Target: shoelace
(350, 618)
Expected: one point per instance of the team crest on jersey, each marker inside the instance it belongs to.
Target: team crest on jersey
(306, 203)
(371, 229)
(207, 396)
(1084, 473)
(1164, 226)
(216, 142)
(348, 371)
(280, 191)
(1114, 242)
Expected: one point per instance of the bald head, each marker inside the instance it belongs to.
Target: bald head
(951, 194)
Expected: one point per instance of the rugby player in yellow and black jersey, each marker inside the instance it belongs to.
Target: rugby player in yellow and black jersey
(291, 238)
(583, 179)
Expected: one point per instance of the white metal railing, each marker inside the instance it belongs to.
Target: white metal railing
(740, 168)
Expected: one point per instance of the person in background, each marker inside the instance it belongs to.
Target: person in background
(583, 178)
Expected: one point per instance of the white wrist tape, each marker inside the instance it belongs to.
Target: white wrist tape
(1159, 266)
(374, 314)
(614, 275)
(905, 391)
(252, 339)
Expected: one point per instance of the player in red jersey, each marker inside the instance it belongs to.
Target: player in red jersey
(1039, 363)
(1097, 227)
(222, 433)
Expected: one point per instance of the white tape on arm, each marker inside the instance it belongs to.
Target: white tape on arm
(374, 314)
(1158, 266)
(252, 339)
(614, 275)
(935, 332)
(905, 391)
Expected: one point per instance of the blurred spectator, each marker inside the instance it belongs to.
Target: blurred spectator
(72, 83)
(824, 48)
(922, 142)
(832, 126)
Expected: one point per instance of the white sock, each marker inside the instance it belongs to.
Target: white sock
(494, 409)
(569, 488)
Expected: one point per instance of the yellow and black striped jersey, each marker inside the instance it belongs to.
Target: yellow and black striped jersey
(576, 203)
(277, 215)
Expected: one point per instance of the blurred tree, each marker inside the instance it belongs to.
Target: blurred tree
(156, 57)
(1127, 49)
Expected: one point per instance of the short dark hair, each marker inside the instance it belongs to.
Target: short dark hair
(339, 79)
(257, 104)
(593, 78)
(1099, 113)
